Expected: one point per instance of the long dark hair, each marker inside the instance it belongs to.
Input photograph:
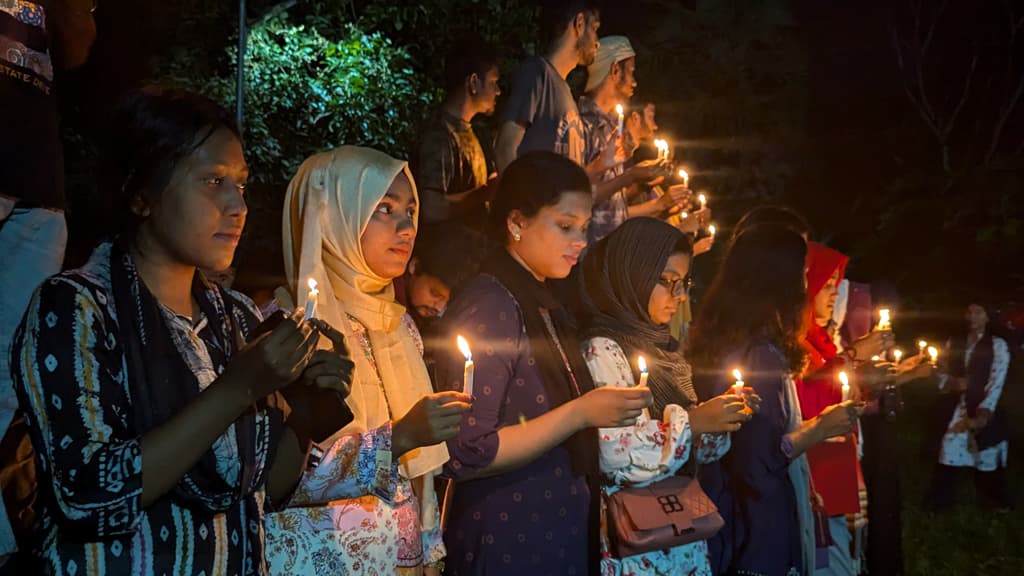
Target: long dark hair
(151, 131)
(759, 292)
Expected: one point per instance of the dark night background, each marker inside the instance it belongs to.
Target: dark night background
(895, 126)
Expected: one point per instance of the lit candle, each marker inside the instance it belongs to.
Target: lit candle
(622, 117)
(884, 319)
(311, 299)
(921, 345)
(662, 147)
(876, 358)
(712, 230)
(467, 373)
(845, 380)
(641, 363)
(703, 201)
(897, 354)
(685, 177)
(684, 215)
(933, 354)
(737, 387)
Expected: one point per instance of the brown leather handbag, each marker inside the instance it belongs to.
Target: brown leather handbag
(668, 513)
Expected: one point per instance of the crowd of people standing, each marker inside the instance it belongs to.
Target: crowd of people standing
(332, 426)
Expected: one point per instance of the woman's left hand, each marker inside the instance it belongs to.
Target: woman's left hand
(330, 369)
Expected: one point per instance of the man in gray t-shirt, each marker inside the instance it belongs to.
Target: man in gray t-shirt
(540, 113)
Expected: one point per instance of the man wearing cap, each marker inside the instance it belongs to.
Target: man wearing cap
(610, 82)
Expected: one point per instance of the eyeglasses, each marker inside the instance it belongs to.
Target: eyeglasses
(677, 287)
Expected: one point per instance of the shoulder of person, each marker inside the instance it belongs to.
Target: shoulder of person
(486, 294)
(530, 69)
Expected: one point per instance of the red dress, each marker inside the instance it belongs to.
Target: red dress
(835, 469)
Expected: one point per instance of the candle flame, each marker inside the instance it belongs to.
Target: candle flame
(922, 344)
(312, 286)
(618, 109)
(642, 364)
(933, 352)
(844, 379)
(737, 375)
(684, 175)
(876, 358)
(464, 347)
(712, 229)
(883, 315)
(897, 354)
(684, 215)
(703, 199)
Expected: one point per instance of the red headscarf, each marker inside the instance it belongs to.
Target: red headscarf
(822, 262)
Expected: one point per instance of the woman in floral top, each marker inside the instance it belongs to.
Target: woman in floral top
(632, 283)
(368, 506)
(154, 428)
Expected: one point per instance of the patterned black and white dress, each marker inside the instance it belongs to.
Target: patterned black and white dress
(70, 371)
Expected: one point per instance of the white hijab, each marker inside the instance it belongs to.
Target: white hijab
(328, 205)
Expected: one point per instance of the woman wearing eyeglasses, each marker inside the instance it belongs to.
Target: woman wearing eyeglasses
(632, 282)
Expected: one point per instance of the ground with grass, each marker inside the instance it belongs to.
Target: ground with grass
(967, 539)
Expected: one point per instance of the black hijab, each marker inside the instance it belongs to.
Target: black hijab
(554, 344)
(617, 277)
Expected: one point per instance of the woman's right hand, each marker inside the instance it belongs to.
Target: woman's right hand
(609, 407)
(838, 419)
(723, 413)
(431, 420)
(273, 360)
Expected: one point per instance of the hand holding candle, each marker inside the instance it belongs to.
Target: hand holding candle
(737, 387)
(311, 299)
(467, 373)
(845, 380)
(884, 319)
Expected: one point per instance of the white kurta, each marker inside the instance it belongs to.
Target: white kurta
(955, 447)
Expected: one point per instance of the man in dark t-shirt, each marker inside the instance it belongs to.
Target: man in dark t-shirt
(541, 112)
(35, 37)
(449, 163)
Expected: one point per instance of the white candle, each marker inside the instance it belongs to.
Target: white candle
(685, 177)
(622, 117)
(933, 354)
(737, 387)
(641, 363)
(845, 380)
(311, 299)
(703, 201)
(921, 346)
(467, 373)
(897, 354)
(884, 319)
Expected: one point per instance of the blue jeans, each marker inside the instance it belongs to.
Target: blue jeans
(32, 242)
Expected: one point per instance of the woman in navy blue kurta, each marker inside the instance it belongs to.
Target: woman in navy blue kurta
(752, 319)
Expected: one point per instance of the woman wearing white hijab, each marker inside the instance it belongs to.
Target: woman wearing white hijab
(368, 505)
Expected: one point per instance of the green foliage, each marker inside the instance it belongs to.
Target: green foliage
(308, 90)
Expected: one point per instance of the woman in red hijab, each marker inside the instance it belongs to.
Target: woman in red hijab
(835, 469)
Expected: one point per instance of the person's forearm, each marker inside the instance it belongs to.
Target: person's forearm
(288, 465)
(506, 147)
(804, 437)
(603, 191)
(650, 208)
(523, 443)
(171, 449)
